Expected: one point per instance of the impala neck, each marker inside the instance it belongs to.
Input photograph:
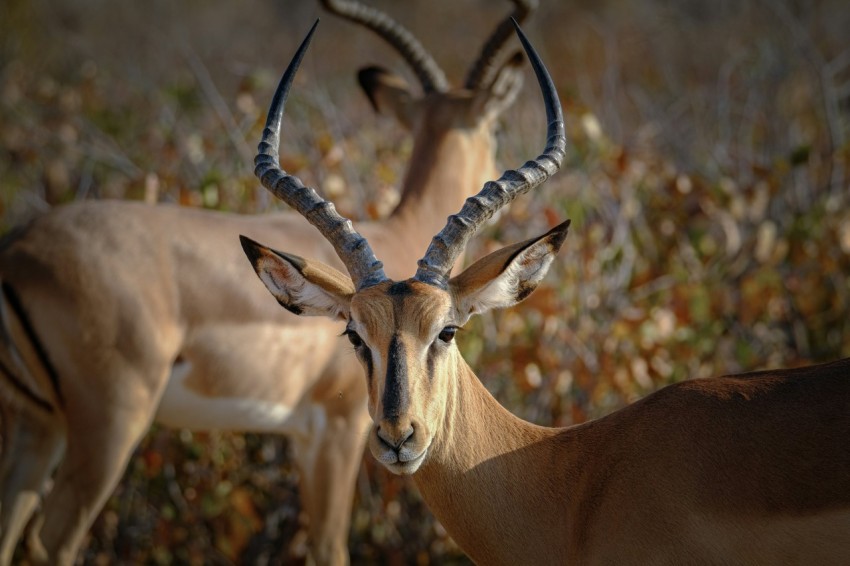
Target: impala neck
(452, 166)
(489, 477)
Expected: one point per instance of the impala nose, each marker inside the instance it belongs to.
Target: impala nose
(395, 433)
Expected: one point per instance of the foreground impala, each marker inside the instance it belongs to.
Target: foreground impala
(749, 469)
(115, 314)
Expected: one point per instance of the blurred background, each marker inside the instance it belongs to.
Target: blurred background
(707, 181)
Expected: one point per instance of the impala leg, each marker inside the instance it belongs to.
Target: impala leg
(101, 440)
(32, 449)
(92, 467)
(329, 463)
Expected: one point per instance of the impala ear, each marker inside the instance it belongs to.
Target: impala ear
(388, 93)
(504, 89)
(301, 286)
(507, 276)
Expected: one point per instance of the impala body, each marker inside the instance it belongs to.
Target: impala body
(748, 469)
(116, 314)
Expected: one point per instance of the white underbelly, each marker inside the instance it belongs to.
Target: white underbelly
(251, 377)
(181, 407)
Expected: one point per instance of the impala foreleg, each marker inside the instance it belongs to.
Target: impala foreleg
(33, 445)
(84, 480)
(328, 454)
(329, 468)
(100, 441)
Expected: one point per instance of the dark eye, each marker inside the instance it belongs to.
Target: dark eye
(448, 334)
(354, 338)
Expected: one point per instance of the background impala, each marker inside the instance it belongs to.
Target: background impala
(709, 232)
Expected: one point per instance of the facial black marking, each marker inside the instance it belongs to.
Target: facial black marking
(445, 338)
(431, 362)
(396, 392)
(363, 353)
(400, 289)
(370, 369)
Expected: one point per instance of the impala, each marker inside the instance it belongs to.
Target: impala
(117, 314)
(747, 469)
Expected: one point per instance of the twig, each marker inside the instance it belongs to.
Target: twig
(104, 148)
(213, 96)
(824, 71)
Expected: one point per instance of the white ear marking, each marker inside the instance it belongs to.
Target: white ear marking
(521, 276)
(507, 276)
(301, 287)
(296, 294)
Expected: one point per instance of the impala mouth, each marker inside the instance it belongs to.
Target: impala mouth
(404, 462)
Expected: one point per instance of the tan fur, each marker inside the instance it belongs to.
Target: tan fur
(700, 472)
(748, 469)
(120, 293)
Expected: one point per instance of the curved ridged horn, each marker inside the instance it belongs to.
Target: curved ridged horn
(351, 247)
(423, 64)
(481, 71)
(435, 266)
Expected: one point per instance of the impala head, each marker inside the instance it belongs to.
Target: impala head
(470, 113)
(460, 120)
(402, 331)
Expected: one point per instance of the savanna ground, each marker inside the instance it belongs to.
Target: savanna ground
(707, 180)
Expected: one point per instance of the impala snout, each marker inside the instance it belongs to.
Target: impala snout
(400, 443)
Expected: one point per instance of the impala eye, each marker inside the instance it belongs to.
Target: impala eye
(353, 337)
(448, 334)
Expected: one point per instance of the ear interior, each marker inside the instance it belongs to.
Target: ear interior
(301, 286)
(507, 276)
(388, 93)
